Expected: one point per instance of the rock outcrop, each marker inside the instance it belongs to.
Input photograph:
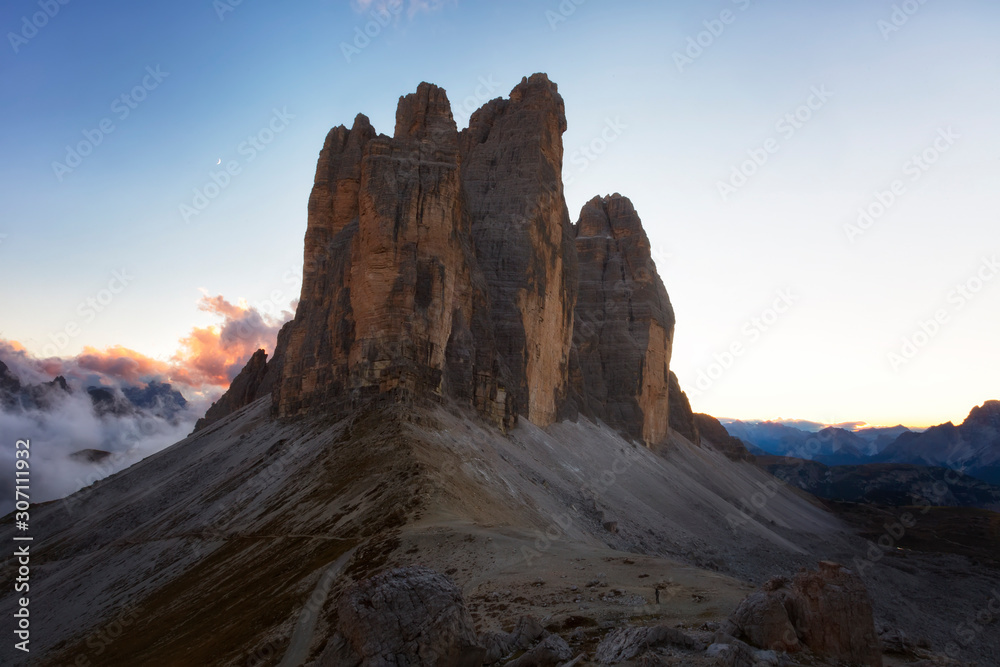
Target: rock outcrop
(627, 642)
(827, 610)
(624, 323)
(499, 645)
(243, 391)
(972, 447)
(444, 264)
(512, 156)
(406, 616)
(711, 430)
(682, 417)
(258, 378)
(551, 651)
(391, 297)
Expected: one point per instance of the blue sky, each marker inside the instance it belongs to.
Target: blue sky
(880, 94)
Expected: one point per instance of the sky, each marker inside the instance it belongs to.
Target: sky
(817, 179)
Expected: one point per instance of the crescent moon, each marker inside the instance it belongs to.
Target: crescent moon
(220, 161)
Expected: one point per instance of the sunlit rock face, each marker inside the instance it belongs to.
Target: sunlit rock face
(391, 296)
(444, 264)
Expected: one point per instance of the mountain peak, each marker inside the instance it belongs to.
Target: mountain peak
(444, 265)
(425, 114)
(987, 414)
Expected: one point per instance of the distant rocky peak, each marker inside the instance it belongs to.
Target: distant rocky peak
(987, 414)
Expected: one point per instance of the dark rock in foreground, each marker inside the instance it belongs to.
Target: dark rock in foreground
(827, 611)
(406, 616)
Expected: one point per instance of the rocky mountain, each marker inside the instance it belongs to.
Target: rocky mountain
(830, 445)
(623, 327)
(154, 398)
(712, 431)
(16, 396)
(878, 438)
(972, 447)
(467, 448)
(444, 264)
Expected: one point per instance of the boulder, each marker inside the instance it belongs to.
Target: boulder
(549, 652)
(628, 642)
(827, 610)
(499, 645)
(404, 618)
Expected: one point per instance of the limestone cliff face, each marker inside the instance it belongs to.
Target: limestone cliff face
(440, 263)
(391, 296)
(512, 157)
(624, 323)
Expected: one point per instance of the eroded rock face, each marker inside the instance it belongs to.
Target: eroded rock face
(242, 391)
(407, 616)
(827, 610)
(512, 156)
(682, 418)
(391, 296)
(624, 323)
(832, 614)
(762, 620)
(440, 263)
(711, 430)
(258, 378)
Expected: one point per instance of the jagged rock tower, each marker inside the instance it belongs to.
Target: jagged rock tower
(444, 264)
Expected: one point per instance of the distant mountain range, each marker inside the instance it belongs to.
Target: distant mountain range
(972, 447)
(155, 398)
(86, 427)
(890, 484)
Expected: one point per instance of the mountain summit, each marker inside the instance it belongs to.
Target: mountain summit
(443, 264)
